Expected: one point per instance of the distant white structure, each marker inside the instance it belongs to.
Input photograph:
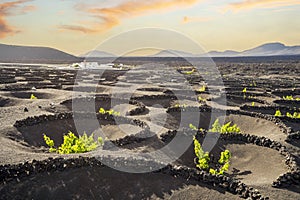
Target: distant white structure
(86, 65)
(95, 65)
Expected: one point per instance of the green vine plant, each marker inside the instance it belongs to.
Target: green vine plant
(32, 97)
(110, 112)
(189, 72)
(291, 98)
(74, 144)
(218, 128)
(203, 160)
(244, 92)
(295, 115)
(226, 128)
(180, 106)
(202, 89)
(278, 113)
(201, 100)
(194, 128)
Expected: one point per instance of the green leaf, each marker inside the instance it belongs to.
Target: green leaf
(32, 97)
(203, 158)
(226, 128)
(74, 144)
(278, 113)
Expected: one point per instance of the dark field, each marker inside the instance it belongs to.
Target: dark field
(155, 106)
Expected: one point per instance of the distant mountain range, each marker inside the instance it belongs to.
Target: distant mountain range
(97, 54)
(173, 53)
(270, 49)
(12, 53)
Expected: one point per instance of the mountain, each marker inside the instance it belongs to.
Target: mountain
(30, 54)
(173, 53)
(269, 49)
(227, 53)
(97, 54)
(272, 49)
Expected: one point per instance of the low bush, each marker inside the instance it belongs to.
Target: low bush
(278, 113)
(194, 128)
(201, 100)
(226, 128)
(74, 144)
(110, 112)
(189, 72)
(32, 97)
(290, 98)
(295, 115)
(218, 128)
(202, 89)
(203, 160)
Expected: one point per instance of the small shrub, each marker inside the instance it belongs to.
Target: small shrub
(50, 143)
(74, 144)
(110, 112)
(295, 115)
(225, 157)
(253, 104)
(202, 89)
(32, 97)
(200, 99)
(203, 159)
(194, 128)
(277, 113)
(244, 90)
(189, 72)
(290, 98)
(226, 128)
(180, 106)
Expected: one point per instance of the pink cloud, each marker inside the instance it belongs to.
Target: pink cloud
(251, 4)
(8, 9)
(112, 16)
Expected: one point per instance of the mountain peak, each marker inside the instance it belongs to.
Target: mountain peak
(97, 54)
(271, 49)
(173, 53)
(274, 45)
(34, 54)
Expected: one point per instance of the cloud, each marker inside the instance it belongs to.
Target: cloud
(76, 28)
(110, 17)
(12, 8)
(27, 9)
(187, 19)
(5, 29)
(251, 4)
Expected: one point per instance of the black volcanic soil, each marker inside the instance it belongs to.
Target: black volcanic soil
(154, 106)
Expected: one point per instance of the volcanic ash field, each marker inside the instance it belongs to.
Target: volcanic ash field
(152, 108)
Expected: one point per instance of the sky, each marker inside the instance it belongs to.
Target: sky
(79, 26)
